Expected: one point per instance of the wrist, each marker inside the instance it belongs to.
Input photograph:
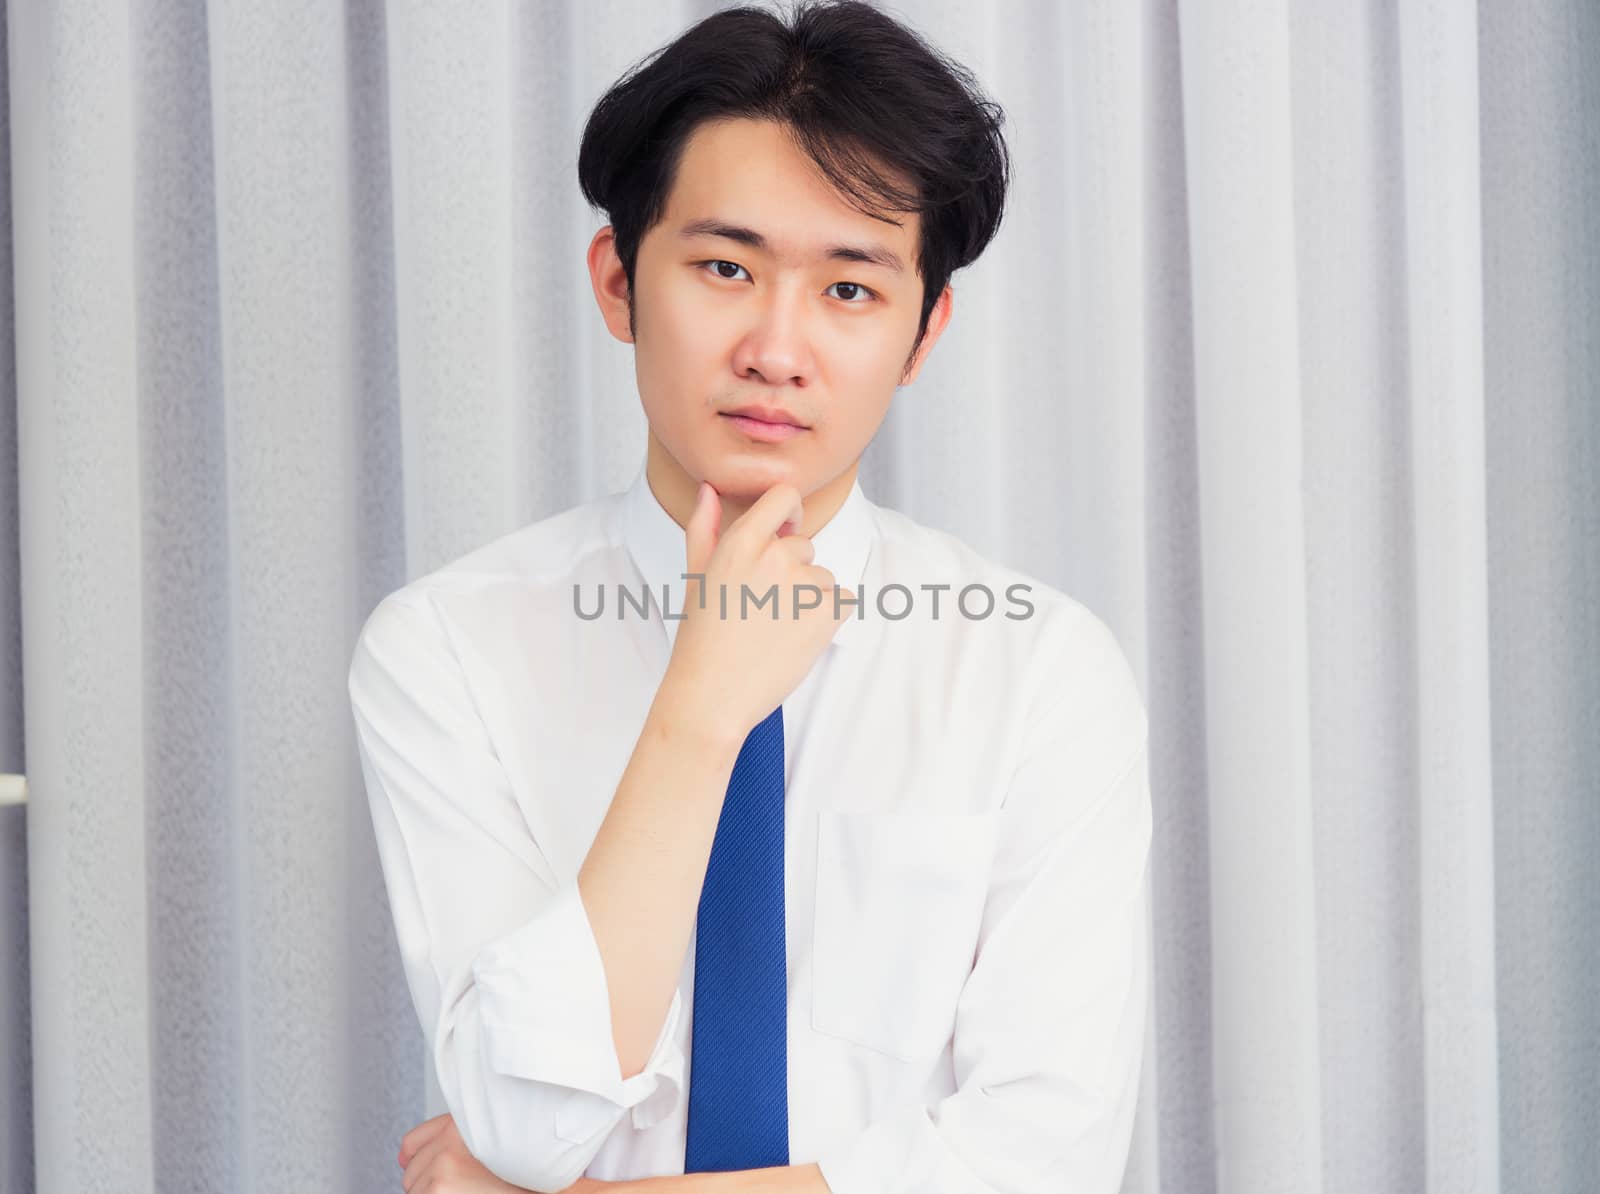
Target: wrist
(682, 713)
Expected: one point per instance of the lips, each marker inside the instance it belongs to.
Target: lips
(760, 431)
(766, 414)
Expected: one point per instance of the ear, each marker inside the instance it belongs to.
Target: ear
(937, 319)
(610, 283)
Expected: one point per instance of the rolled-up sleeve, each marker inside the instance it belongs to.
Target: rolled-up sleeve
(499, 954)
(1049, 1028)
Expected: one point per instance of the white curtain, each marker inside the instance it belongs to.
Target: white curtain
(1285, 363)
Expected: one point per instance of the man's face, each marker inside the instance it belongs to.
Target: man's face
(721, 323)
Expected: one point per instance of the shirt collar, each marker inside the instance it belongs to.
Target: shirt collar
(656, 544)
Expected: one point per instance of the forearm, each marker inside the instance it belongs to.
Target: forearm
(641, 881)
(783, 1179)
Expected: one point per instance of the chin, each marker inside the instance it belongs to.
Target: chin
(747, 479)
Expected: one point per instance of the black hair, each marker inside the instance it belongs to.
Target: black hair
(866, 98)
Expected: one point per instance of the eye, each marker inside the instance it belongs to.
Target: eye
(856, 288)
(718, 271)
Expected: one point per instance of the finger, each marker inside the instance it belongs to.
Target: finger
(817, 575)
(420, 1135)
(759, 525)
(701, 531)
(422, 1163)
(799, 548)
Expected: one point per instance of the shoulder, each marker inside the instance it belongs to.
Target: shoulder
(1060, 657)
(545, 556)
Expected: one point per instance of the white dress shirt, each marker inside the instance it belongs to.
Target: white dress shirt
(967, 824)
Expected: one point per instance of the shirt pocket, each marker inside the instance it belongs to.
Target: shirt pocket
(899, 902)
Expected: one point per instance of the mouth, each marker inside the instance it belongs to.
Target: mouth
(766, 414)
(765, 425)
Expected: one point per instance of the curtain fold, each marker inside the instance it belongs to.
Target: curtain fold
(1283, 363)
(1444, 370)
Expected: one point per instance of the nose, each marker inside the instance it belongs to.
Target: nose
(776, 347)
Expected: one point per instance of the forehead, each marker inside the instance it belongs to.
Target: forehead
(754, 173)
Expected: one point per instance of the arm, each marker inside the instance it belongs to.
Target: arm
(778, 1179)
(642, 878)
(500, 957)
(655, 842)
(1050, 1025)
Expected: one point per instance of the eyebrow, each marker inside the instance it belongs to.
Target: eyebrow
(865, 254)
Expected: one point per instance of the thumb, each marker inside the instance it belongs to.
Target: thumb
(702, 530)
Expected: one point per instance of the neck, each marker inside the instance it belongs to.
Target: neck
(675, 489)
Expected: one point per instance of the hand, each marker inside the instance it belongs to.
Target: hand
(436, 1161)
(735, 670)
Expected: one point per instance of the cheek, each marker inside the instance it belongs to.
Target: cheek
(679, 329)
(859, 419)
(676, 371)
(871, 362)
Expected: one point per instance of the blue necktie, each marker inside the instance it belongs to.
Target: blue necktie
(739, 1055)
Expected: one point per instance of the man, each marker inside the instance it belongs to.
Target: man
(840, 890)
